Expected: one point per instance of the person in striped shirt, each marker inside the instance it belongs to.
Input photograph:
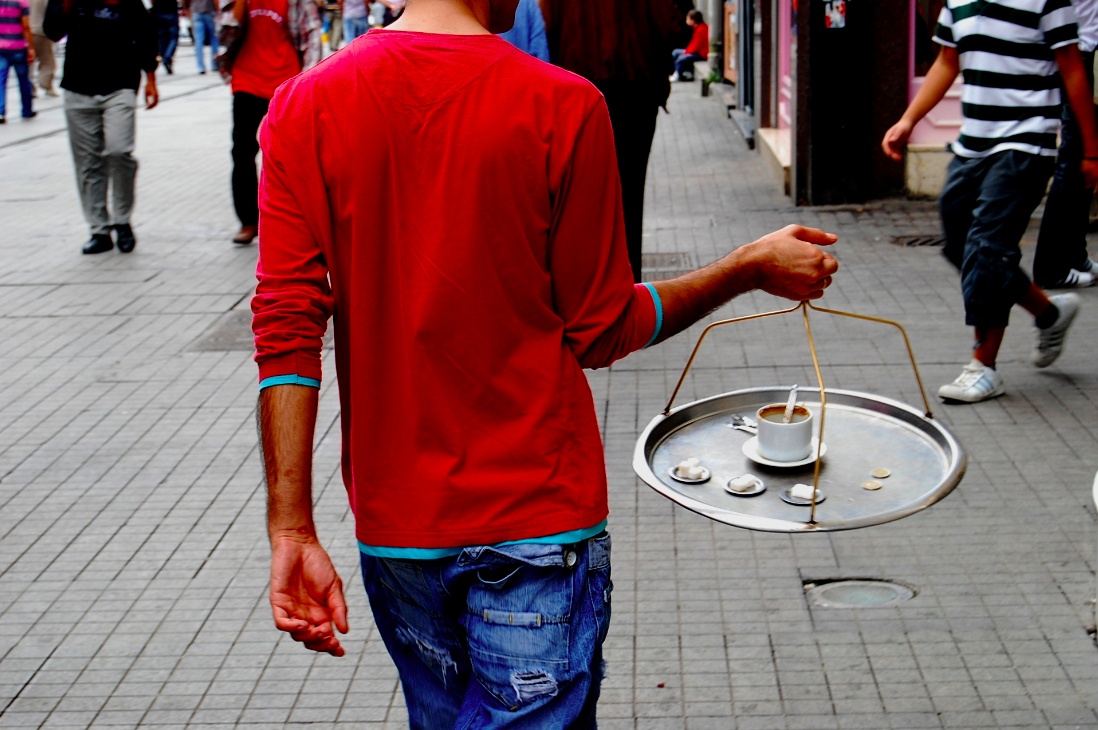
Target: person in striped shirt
(1014, 56)
(16, 52)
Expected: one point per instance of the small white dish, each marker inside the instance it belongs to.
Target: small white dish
(751, 451)
(759, 488)
(673, 472)
(786, 496)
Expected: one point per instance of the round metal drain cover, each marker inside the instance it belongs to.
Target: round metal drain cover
(858, 594)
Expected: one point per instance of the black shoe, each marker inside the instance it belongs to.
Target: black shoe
(99, 243)
(3, 120)
(32, 115)
(126, 241)
(168, 66)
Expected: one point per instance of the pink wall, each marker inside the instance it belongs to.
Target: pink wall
(785, 63)
(943, 123)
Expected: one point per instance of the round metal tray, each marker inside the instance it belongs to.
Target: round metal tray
(863, 432)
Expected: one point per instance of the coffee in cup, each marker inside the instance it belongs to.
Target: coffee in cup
(780, 441)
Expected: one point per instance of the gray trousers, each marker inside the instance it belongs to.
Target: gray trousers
(45, 64)
(101, 132)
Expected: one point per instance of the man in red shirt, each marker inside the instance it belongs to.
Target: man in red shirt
(475, 262)
(267, 57)
(696, 50)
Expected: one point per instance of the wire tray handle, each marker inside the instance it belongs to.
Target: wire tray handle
(804, 307)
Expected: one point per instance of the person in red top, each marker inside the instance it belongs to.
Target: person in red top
(267, 57)
(473, 263)
(697, 50)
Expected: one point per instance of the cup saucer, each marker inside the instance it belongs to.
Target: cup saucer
(751, 451)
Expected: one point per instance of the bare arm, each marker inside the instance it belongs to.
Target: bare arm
(1081, 98)
(938, 80)
(783, 263)
(306, 592)
(240, 9)
(29, 38)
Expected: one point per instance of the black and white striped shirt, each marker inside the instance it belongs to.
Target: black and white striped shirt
(1011, 96)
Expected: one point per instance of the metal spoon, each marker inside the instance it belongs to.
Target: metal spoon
(745, 424)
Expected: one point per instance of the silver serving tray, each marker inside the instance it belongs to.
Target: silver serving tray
(863, 432)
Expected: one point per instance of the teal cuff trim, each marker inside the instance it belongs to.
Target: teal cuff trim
(561, 538)
(288, 380)
(659, 311)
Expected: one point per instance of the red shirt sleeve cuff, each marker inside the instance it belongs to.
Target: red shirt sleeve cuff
(299, 362)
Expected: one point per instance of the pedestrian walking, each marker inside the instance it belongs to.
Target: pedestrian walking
(16, 53)
(355, 18)
(280, 38)
(1013, 64)
(204, 29)
(110, 43)
(333, 25)
(391, 10)
(477, 263)
(528, 33)
(376, 16)
(624, 47)
(696, 50)
(46, 65)
(1060, 260)
(166, 13)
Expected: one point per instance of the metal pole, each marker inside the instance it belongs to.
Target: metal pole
(1094, 494)
(715, 19)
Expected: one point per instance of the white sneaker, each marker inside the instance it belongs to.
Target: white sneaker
(1077, 279)
(1050, 341)
(976, 382)
(1089, 267)
(674, 77)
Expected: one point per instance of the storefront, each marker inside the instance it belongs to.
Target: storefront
(832, 77)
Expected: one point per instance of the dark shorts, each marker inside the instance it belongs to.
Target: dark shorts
(986, 205)
(495, 637)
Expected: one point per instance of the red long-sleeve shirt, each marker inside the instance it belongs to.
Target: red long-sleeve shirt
(455, 204)
(699, 42)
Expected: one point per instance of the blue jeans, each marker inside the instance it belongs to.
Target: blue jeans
(1062, 242)
(18, 60)
(684, 62)
(985, 206)
(354, 27)
(167, 31)
(204, 32)
(497, 637)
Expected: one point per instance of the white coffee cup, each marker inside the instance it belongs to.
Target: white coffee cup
(780, 441)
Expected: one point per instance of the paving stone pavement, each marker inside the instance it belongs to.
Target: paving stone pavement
(132, 553)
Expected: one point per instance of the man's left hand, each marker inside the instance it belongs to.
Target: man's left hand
(307, 593)
(152, 96)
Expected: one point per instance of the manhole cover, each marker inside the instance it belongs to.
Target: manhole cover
(857, 594)
(662, 266)
(934, 240)
(234, 332)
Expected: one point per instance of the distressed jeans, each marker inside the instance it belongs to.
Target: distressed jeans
(497, 636)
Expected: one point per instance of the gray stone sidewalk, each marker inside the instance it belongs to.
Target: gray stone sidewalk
(132, 554)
